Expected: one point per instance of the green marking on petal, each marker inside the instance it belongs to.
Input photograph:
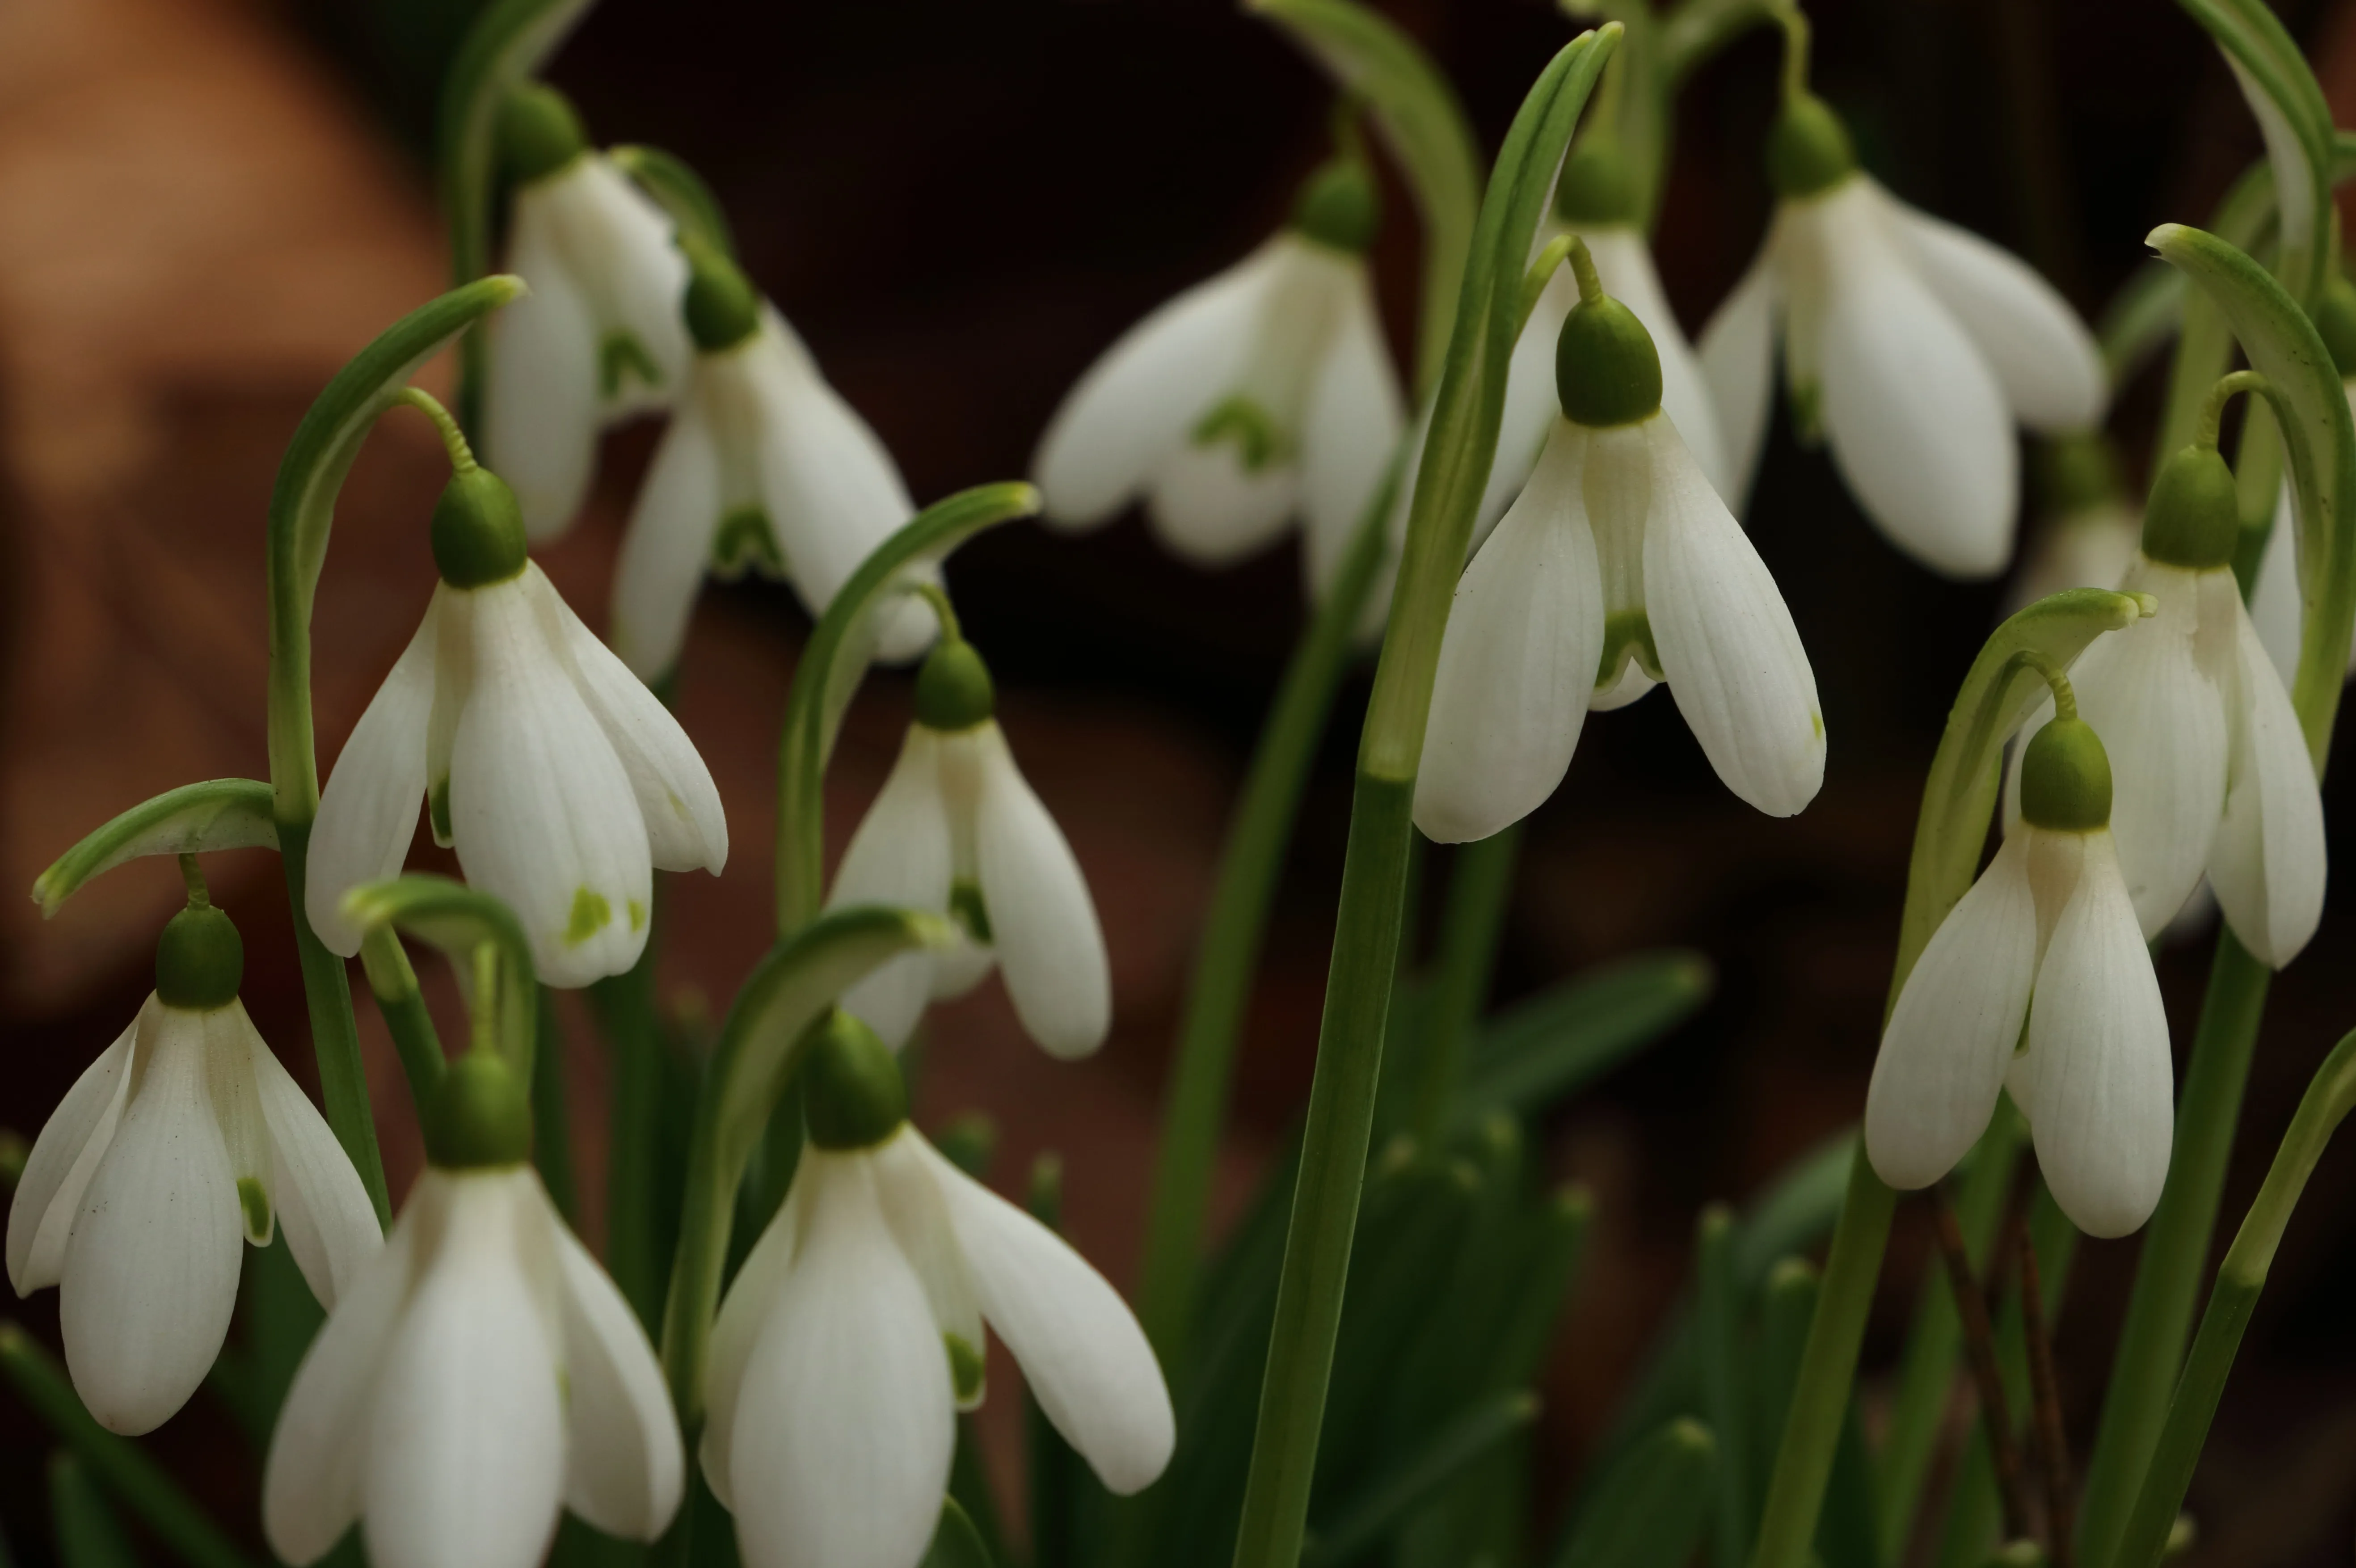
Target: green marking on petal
(743, 542)
(639, 910)
(967, 908)
(621, 354)
(1629, 635)
(1817, 721)
(591, 914)
(965, 1368)
(437, 806)
(1808, 413)
(1259, 440)
(259, 1221)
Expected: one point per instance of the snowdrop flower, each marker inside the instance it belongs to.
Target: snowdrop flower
(1617, 567)
(2214, 767)
(957, 831)
(853, 1335)
(764, 466)
(2089, 531)
(561, 780)
(1913, 345)
(598, 337)
(2274, 599)
(183, 1138)
(2046, 938)
(1263, 393)
(480, 1372)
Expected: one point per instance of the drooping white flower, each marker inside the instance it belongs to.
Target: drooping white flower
(958, 831)
(2213, 772)
(1915, 345)
(853, 1333)
(764, 466)
(598, 338)
(479, 1374)
(1617, 567)
(2089, 534)
(184, 1141)
(560, 780)
(1261, 394)
(2037, 982)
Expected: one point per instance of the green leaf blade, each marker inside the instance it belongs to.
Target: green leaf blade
(1565, 1039)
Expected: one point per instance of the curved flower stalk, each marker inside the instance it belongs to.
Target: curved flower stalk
(853, 1335)
(599, 336)
(764, 468)
(957, 831)
(1616, 568)
(559, 778)
(184, 1138)
(1261, 394)
(2090, 531)
(1911, 345)
(2038, 983)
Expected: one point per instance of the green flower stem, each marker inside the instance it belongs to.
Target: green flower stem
(552, 1122)
(335, 1035)
(1474, 922)
(80, 1524)
(2240, 1280)
(394, 983)
(119, 1463)
(625, 1004)
(1725, 1388)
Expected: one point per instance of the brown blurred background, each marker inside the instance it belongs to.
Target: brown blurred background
(209, 204)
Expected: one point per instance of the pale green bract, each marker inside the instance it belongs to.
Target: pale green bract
(195, 819)
(2297, 124)
(458, 922)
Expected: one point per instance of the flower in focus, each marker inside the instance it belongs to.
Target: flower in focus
(184, 1138)
(1913, 345)
(2047, 938)
(480, 1372)
(958, 831)
(1261, 394)
(2088, 536)
(598, 338)
(853, 1335)
(1616, 568)
(560, 780)
(764, 466)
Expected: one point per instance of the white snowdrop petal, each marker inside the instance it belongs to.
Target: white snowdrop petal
(1533, 408)
(1623, 263)
(624, 1465)
(2269, 862)
(667, 542)
(329, 1223)
(1139, 403)
(1516, 663)
(2275, 604)
(541, 808)
(2042, 354)
(465, 1459)
(2090, 547)
(1951, 1035)
(1727, 643)
(1083, 1355)
(909, 1188)
(1355, 414)
(150, 1273)
(899, 856)
(627, 258)
(368, 812)
(1041, 921)
(845, 1424)
(1737, 356)
(2102, 1105)
(687, 829)
(63, 1158)
(1207, 510)
(744, 1316)
(830, 488)
(540, 381)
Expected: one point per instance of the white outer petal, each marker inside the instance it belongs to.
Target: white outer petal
(669, 540)
(1356, 414)
(1737, 359)
(1731, 656)
(1082, 1356)
(899, 856)
(2089, 548)
(1951, 1035)
(329, 1223)
(1624, 263)
(627, 260)
(2275, 604)
(625, 1468)
(540, 379)
(1207, 511)
(63, 1158)
(1041, 921)
(743, 1318)
(2269, 861)
(907, 1185)
(1516, 663)
(368, 812)
(1532, 410)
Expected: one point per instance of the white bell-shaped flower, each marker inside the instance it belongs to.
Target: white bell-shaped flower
(2046, 939)
(1617, 567)
(2213, 772)
(560, 780)
(1914, 345)
(853, 1335)
(958, 831)
(766, 467)
(2089, 531)
(1261, 394)
(480, 1373)
(186, 1140)
(598, 337)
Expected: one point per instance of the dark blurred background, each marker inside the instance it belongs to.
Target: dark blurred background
(209, 204)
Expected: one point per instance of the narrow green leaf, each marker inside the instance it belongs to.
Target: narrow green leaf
(1559, 1041)
(2296, 122)
(1785, 1311)
(678, 191)
(1725, 1388)
(1379, 1505)
(955, 1542)
(457, 921)
(80, 1521)
(832, 664)
(1651, 1508)
(195, 819)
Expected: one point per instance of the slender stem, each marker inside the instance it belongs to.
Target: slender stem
(1719, 1323)
(454, 440)
(1988, 1376)
(335, 1037)
(1472, 923)
(192, 876)
(625, 1013)
(934, 595)
(1794, 23)
(552, 1123)
(2212, 407)
(394, 983)
(2052, 1439)
(1582, 268)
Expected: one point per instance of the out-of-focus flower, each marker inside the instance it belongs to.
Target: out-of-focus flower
(2088, 535)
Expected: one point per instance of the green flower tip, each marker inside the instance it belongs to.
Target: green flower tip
(953, 687)
(1339, 207)
(2193, 519)
(1808, 148)
(852, 1095)
(1597, 188)
(538, 133)
(2077, 471)
(2065, 778)
(481, 1115)
(199, 959)
(2335, 318)
(721, 307)
(477, 530)
(1606, 370)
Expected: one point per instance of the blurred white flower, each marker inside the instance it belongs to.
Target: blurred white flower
(2089, 531)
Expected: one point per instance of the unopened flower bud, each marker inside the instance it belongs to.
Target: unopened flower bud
(1808, 148)
(2065, 778)
(538, 133)
(1338, 206)
(2193, 520)
(199, 959)
(1596, 187)
(482, 1115)
(721, 307)
(478, 537)
(852, 1094)
(953, 687)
